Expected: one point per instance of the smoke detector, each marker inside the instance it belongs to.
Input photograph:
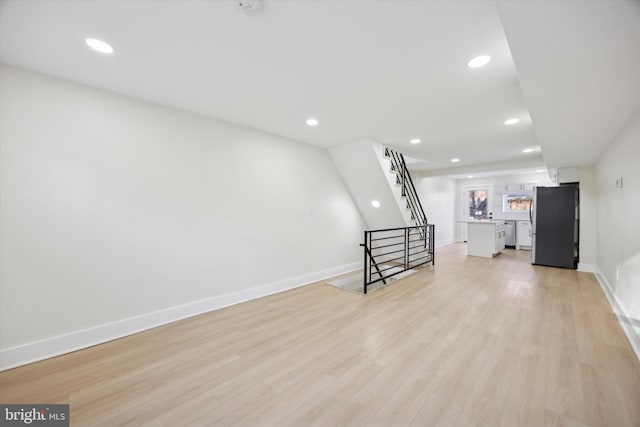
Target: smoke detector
(250, 7)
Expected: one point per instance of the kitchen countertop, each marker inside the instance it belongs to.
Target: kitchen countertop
(485, 238)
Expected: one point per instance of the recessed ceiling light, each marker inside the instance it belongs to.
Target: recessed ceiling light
(528, 150)
(479, 61)
(512, 121)
(469, 176)
(312, 122)
(455, 160)
(375, 204)
(99, 45)
(415, 141)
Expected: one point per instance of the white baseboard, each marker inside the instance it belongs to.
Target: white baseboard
(444, 243)
(587, 268)
(618, 309)
(77, 340)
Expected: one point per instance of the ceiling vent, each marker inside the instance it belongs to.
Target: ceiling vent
(250, 7)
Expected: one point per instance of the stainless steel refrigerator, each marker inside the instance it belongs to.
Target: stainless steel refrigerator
(555, 226)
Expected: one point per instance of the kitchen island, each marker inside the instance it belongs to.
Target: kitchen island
(485, 238)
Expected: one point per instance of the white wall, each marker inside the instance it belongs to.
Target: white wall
(438, 198)
(360, 165)
(618, 230)
(588, 218)
(118, 215)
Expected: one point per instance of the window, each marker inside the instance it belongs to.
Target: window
(478, 200)
(516, 202)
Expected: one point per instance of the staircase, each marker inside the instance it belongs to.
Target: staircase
(392, 251)
(410, 200)
(398, 237)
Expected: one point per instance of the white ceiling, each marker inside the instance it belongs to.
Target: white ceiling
(387, 70)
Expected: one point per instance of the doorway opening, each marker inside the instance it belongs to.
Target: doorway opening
(476, 205)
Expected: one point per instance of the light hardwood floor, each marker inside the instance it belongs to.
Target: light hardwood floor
(473, 341)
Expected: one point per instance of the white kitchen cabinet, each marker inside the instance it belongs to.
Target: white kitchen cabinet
(485, 238)
(523, 235)
(515, 188)
(501, 236)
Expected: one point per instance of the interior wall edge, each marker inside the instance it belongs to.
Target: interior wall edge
(67, 343)
(445, 243)
(623, 317)
(586, 268)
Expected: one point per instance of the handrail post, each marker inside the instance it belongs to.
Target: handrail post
(364, 245)
(406, 248)
(432, 243)
(402, 171)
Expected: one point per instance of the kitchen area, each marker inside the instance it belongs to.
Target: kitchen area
(516, 213)
(494, 213)
(489, 237)
(459, 204)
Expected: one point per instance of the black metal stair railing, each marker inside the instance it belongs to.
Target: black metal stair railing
(391, 251)
(403, 178)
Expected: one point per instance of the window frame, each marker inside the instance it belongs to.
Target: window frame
(513, 195)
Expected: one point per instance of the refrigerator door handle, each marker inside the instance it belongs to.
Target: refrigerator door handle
(530, 207)
(532, 231)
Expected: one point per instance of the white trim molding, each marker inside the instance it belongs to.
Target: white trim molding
(444, 243)
(77, 340)
(587, 268)
(618, 309)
